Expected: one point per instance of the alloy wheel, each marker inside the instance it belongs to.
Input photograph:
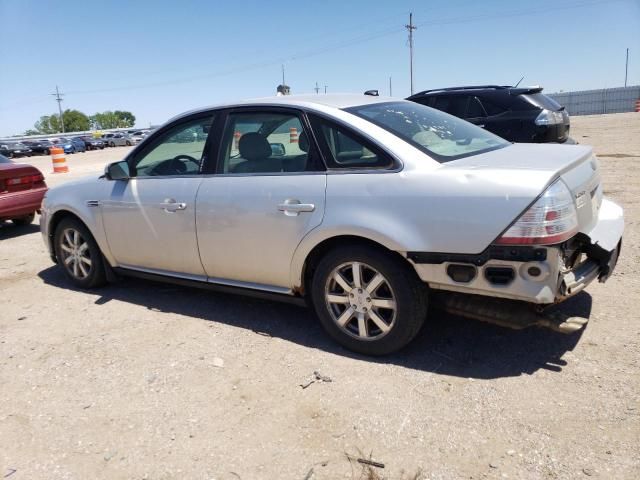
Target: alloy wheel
(361, 301)
(76, 256)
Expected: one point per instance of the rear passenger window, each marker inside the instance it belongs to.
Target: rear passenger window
(491, 108)
(344, 149)
(474, 109)
(452, 104)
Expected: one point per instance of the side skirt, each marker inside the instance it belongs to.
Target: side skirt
(216, 287)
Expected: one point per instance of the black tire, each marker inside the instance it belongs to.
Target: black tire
(128, 143)
(95, 276)
(24, 220)
(407, 291)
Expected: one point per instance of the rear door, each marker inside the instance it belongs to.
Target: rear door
(266, 192)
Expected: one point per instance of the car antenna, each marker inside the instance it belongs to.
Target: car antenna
(516, 85)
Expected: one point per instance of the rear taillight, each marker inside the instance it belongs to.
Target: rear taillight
(549, 117)
(27, 179)
(551, 219)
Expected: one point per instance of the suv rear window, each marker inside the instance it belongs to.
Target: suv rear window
(542, 101)
(441, 136)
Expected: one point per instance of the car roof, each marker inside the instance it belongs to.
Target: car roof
(308, 101)
(498, 89)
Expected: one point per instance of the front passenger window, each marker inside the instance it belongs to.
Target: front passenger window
(263, 143)
(178, 152)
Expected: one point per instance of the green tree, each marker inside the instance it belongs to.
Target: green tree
(109, 119)
(74, 121)
(48, 124)
(125, 119)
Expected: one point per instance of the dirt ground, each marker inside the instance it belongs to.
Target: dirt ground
(141, 380)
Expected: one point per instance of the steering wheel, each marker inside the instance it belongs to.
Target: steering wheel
(175, 166)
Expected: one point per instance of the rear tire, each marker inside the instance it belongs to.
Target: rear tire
(376, 311)
(78, 254)
(25, 220)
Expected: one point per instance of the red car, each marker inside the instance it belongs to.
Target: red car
(22, 189)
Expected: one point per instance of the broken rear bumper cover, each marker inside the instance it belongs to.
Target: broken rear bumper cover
(489, 286)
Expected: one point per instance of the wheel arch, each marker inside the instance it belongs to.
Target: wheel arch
(92, 223)
(303, 274)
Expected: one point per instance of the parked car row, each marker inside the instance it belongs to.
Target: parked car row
(71, 145)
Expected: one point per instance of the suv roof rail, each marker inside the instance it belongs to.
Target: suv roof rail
(512, 90)
(469, 87)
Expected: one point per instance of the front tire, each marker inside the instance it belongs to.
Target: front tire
(368, 300)
(78, 254)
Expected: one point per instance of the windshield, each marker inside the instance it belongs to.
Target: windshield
(438, 134)
(542, 101)
(4, 159)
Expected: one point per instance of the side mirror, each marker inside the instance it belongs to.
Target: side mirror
(117, 171)
(277, 150)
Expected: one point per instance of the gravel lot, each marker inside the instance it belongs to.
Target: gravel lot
(148, 381)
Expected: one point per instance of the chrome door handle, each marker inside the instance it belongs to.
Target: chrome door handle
(293, 207)
(171, 206)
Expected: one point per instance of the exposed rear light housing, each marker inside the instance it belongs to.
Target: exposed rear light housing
(551, 219)
(549, 117)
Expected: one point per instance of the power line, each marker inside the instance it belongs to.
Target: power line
(339, 45)
(59, 96)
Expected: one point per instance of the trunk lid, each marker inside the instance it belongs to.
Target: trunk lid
(17, 177)
(576, 165)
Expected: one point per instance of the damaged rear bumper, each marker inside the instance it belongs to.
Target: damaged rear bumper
(532, 278)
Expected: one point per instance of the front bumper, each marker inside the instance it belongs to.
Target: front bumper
(559, 271)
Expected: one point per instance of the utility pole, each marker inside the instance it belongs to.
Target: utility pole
(390, 88)
(626, 68)
(59, 96)
(325, 89)
(317, 89)
(283, 82)
(411, 28)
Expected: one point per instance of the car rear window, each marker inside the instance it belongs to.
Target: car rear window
(441, 136)
(542, 101)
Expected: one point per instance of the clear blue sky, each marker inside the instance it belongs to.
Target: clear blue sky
(158, 59)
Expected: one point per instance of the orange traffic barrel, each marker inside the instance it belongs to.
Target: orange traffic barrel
(638, 105)
(293, 135)
(59, 162)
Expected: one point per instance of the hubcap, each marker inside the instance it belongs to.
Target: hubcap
(75, 253)
(360, 301)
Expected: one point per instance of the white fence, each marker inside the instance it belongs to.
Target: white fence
(592, 102)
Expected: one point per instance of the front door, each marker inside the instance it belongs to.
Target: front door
(267, 193)
(149, 219)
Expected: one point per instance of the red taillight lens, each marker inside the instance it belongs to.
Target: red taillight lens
(27, 179)
(552, 219)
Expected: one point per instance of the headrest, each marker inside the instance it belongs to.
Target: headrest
(303, 142)
(254, 146)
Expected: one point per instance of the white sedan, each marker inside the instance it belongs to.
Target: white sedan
(365, 207)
